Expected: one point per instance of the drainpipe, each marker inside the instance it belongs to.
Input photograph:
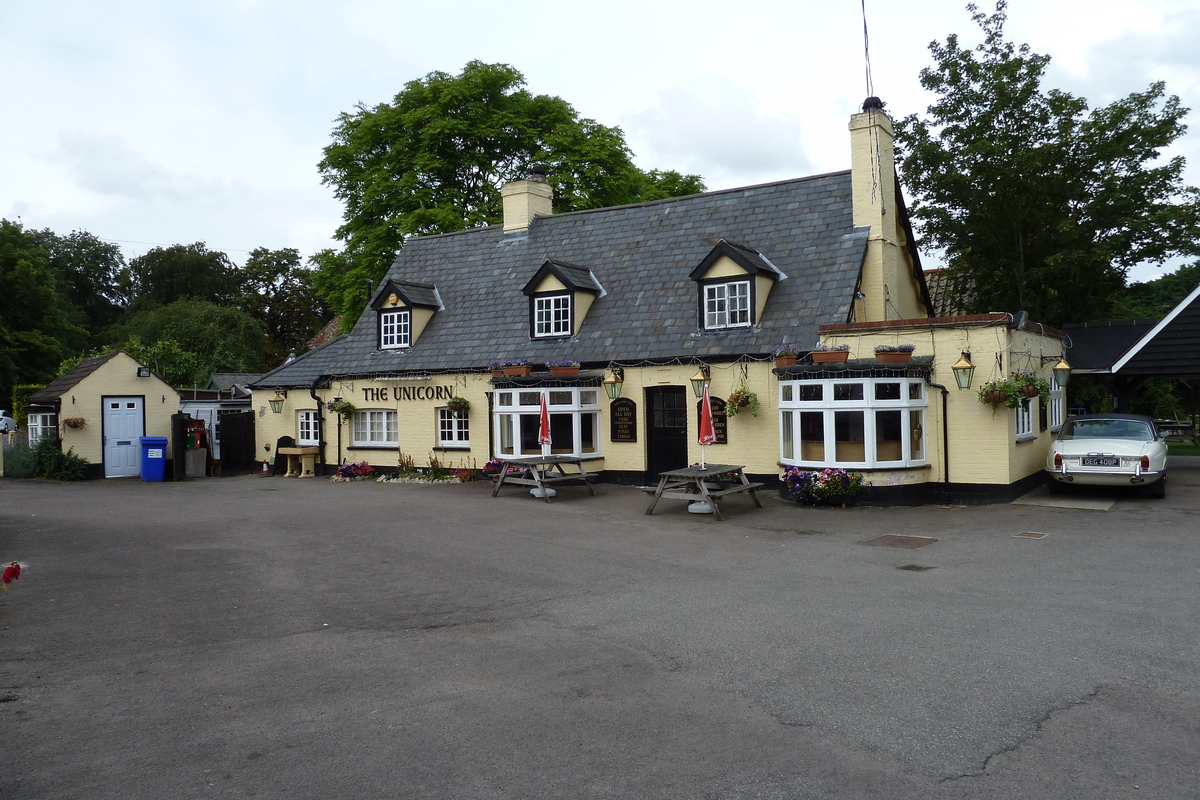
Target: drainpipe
(945, 439)
(312, 392)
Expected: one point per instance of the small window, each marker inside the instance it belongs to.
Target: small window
(395, 328)
(726, 305)
(39, 425)
(552, 315)
(1024, 414)
(308, 432)
(453, 429)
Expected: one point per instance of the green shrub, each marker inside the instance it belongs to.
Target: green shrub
(19, 462)
(20, 397)
(50, 462)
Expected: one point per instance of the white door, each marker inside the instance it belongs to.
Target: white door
(123, 429)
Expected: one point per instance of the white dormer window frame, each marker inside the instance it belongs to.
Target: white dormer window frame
(552, 314)
(727, 303)
(395, 328)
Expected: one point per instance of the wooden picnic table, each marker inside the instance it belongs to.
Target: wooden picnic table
(704, 484)
(540, 471)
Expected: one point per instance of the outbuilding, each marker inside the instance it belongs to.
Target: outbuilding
(101, 408)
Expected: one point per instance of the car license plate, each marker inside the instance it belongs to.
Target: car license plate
(1100, 461)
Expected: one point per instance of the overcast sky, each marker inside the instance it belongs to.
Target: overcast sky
(160, 123)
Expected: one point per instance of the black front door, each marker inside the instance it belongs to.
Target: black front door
(666, 429)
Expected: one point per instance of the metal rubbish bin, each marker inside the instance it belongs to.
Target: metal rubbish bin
(154, 457)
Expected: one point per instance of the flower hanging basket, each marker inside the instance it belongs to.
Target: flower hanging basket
(830, 356)
(74, 422)
(995, 397)
(1029, 390)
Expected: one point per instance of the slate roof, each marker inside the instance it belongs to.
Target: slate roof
(642, 255)
(69, 379)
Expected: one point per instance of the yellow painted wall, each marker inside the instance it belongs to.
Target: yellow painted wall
(115, 378)
(983, 446)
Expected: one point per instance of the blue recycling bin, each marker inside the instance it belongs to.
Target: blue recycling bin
(154, 458)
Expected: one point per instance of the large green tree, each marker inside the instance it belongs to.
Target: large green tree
(433, 161)
(278, 292)
(37, 325)
(1035, 202)
(204, 338)
(88, 272)
(167, 274)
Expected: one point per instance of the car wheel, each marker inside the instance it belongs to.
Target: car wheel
(1056, 487)
(1158, 489)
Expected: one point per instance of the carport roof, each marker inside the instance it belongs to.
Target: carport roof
(1168, 348)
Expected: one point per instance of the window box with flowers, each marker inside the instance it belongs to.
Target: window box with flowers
(497, 369)
(894, 353)
(830, 354)
(563, 369)
(837, 487)
(516, 368)
(785, 354)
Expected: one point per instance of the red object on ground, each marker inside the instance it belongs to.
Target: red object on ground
(11, 573)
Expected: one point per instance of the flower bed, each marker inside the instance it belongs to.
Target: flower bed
(361, 471)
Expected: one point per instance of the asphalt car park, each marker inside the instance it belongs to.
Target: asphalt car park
(271, 637)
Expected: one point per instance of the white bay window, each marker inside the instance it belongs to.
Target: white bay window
(859, 422)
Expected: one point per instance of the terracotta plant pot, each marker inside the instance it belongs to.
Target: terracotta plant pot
(564, 372)
(498, 372)
(893, 358)
(830, 356)
(784, 361)
(517, 371)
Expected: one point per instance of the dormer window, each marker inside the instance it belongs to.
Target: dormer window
(734, 282)
(395, 328)
(552, 315)
(727, 304)
(403, 309)
(560, 295)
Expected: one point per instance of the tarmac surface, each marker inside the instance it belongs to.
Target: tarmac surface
(252, 637)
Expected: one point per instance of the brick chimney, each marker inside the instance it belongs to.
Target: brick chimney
(524, 200)
(873, 173)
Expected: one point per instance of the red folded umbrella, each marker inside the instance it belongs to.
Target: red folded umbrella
(544, 432)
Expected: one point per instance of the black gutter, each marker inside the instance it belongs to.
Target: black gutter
(312, 392)
(945, 439)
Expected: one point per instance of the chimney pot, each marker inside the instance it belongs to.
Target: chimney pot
(872, 102)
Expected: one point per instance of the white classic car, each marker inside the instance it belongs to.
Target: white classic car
(1108, 450)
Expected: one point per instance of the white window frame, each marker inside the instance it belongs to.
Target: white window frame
(1058, 404)
(308, 428)
(913, 417)
(395, 328)
(454, 429)
(519, 409)
(375, 427)
(38, 425)
(727, 304)
(552, 315)
(1023, 415)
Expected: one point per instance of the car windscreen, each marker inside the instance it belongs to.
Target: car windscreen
(1107, 429)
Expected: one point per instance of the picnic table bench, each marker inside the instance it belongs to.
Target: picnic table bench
(540, 471)
(704, 484)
